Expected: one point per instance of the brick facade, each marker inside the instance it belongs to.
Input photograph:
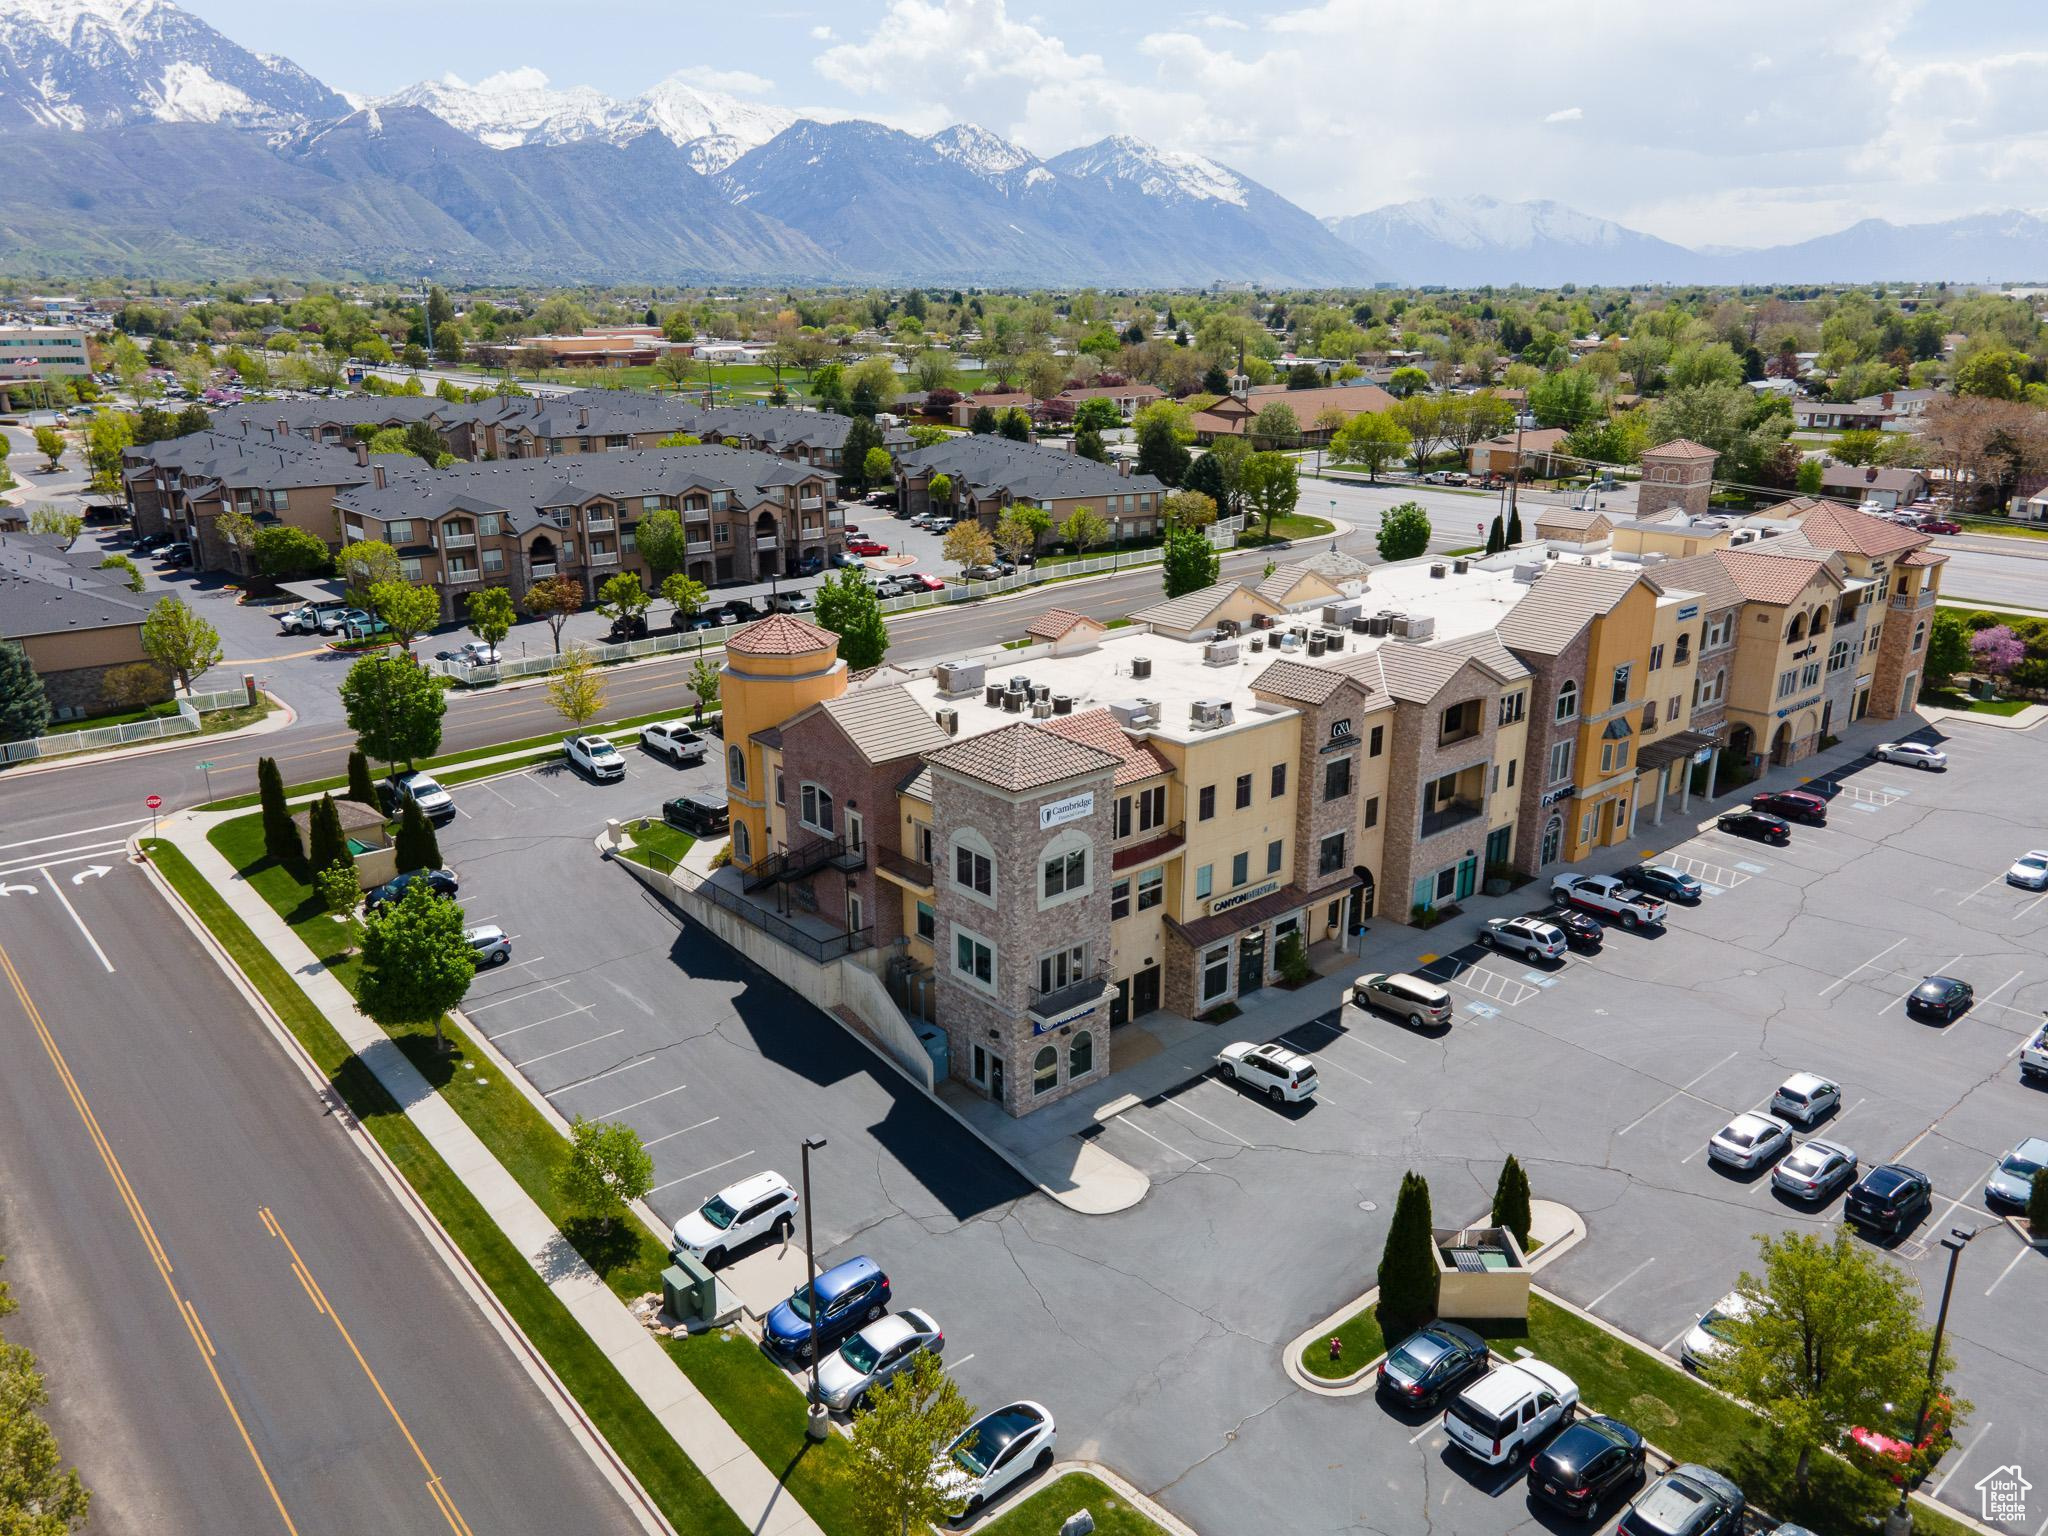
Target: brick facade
(815, 750)
(1540, 799)
(1419, 760)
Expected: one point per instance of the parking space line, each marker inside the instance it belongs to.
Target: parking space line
(1838, 981)
(1994, 880)
(1176, 1151)
(1176, 1104)
(1594, 1304)
(499, 1002)
(1963, 1454)
(1675, 1093)
(528, 775)
(672, 1135)
(486, 784)
(1939, 970)
(2025, 1249)
(614, 1114)
(552, 1018)
(2015, 976)
(534, 1061)
(638, 1061)
(672, 1183)
(1954, 1201)
(2023, 911)
(1436, 1423)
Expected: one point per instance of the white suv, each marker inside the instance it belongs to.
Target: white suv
(1501, 1415)
(1530, 937)
(1285, 1076)
(595, 756)
(734, 1217)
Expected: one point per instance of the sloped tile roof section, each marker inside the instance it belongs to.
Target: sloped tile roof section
(1703, 575)
(781, 634)
(1486, 649)
(1187, 611)
(1571, 519)
(1680, 448)
(1299, 683)
(1098, 728)
(885, 723)
(1774, 578)
(1056, 623)
(1021, 757)
(1830, 525)
(1564, 600)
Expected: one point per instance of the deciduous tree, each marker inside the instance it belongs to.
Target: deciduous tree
(847, 606)
(575, 687)
(1272, 487)
(179, 641)
(1019, 528)
(1276, 426)
(662, 543)
(417, 964)
(1188, 509)
(286, 553)
(967, 544)
(552, 599)
(683, 593)
(65, 525)
(899, 1477)
(395, 707)
(410, 610)
(606, 1169)
(704, 681)
(1190, 563)
(366, 562)
(38, 1495)
(491, 614)
(1404, 532)
(50, 444)
(1084, 528)
(1948, 649)
(622, 600)
(1371, 438)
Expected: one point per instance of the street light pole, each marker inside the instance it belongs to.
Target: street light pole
(818, 1420)
(1900, 1521)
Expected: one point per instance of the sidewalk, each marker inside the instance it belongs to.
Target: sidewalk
(741, 1479)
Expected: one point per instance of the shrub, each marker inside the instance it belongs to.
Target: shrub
(1408, 1276)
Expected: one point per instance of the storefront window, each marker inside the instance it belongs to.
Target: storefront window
(1045, 1070)
(1215, 973)
(1081, 1055)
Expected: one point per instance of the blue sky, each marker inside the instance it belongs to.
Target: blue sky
(1739, 122)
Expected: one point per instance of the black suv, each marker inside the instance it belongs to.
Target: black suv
(699, 815)
(1592, 1459)
(1584, 934)
(1889, 1199)
(1688, 1500)
(441, 882)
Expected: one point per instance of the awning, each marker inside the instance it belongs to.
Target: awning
(1253, 914)
(1662, 754)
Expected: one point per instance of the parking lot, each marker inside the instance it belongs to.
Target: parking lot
(1155, 1335)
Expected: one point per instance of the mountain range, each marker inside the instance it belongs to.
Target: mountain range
(140, 140)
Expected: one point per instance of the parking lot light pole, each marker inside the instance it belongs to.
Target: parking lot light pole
(1900, 1521)
(818, 1422)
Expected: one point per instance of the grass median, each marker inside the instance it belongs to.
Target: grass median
(746, 1388)
(1046, 1510)
(1363, 1343)
(675, 1484)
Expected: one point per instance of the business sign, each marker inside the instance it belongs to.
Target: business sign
(1704, 755)
(1689, 611)
(1224, 904)
(1793, 709)
(1341, 737)
(1564, 792)
(1058, 813)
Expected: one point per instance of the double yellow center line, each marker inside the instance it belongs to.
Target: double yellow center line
(185, 1309)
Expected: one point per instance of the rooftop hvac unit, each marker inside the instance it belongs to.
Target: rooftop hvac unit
(1460, 567)
(1131, 713)
(1316, 645)
(1041, 693)
(1527, 574)
(1063, 703)
(992, 695)
(1262, 621)
(1209, 714)
(1227, 628)
(1420, 626)
(1361, 626)
(1013, 703)
(1258, 643)
(1041, 709)
(1436, 571)
(1219, 653)
(1380, 624)
(949, 721)
(1337, 615)
(1141, 666)
(958, 677)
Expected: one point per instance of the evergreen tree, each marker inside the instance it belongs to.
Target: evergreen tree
(280, 833)
(326, 843)
(982, 422)
(1408, 1277)
(1160, 452)
(1515, 527)
(1496, 537)
(1215, 381)
(360, 789)
(1511, 1201)
(1015, 425)
(417, 846)
(24, 706)
(1190, 561)
(1088, 444)
(2037, 1205)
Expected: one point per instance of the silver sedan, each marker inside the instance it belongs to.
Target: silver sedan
(874, 1355)
(1750, 1141)
(1815, 1170)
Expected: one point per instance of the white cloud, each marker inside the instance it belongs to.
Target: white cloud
(736, 82)
(822, 34)
(1565, 115)
(1218, 21)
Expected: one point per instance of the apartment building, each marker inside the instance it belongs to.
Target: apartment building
(990, 474)
(511, 523)
(79, 625)
(181, 486)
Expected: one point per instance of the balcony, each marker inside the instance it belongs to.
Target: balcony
(1924, 599)
(465, 576)
(458, 541)
(540, 570)
(697, 547)
(810, 503)
(1445, 817)
(696, 514)
(765, 541)
(605, 557)
(600, 524)
(904, 869)
(1071, 998)
(810, 534)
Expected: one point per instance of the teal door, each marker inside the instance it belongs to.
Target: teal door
(1468, 877)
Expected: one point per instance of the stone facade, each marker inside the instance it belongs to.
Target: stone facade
(1420, 759)
(1541, 800)
(1678, 478)
(996, 1043)
(1901, 652)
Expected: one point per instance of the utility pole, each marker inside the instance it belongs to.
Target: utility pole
(427, 309)
(818, 1419)
(1900, 1521)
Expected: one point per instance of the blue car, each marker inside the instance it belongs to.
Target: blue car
(847, 1295)
(1662, 880)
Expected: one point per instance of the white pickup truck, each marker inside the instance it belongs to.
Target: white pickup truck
(1606, 896)
(2034, 1056)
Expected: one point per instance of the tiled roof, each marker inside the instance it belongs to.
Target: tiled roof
(918, 785)
(1680, 448)
(1830, 525)
(1703, 574)
(1926, 557)
(1773, 578)
(1486, 649)
(1056, 622)
(1299, 683)
(885, 723)
(1572, 519)
(1279, 587)
(1098, 728)
(781, 634)
(1189, 609)
(1565, 599)
(1020, 757)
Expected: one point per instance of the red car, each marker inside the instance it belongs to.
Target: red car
(1895, 1457)
(1792, 805)
(929, 582)
(866, 547)
(1939, 525)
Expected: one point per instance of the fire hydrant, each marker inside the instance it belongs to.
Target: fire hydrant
(1336, 1349)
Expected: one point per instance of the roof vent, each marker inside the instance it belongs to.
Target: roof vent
(1141, 667)
(949, 721)
(1436, 571)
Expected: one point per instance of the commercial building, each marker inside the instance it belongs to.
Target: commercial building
(31, 355)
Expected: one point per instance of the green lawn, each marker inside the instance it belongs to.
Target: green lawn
(1363, 1343)
(1946, 698)
(2010, 527)
(1046, 1510)
(1965, 610)
(671, 1479)
(1470, 549)
(667, 844)
(1694, 1423)
(122, 717)
(1296, 526)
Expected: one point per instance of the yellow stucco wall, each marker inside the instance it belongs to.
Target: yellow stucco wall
(757, 692)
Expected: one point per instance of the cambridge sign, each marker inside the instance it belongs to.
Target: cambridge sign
(1058, 813)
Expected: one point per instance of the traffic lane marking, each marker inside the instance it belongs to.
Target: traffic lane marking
(63, 856)
(58, 837)
(58, 891)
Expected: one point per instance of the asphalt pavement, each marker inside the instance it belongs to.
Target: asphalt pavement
(242, 1326)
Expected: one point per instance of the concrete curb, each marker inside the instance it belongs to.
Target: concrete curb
(2025, 720)
(1122, 1487)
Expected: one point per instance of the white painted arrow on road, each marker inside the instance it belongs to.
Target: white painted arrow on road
(90, 872)
(9, 890)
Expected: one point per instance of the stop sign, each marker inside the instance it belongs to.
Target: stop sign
(154, 802)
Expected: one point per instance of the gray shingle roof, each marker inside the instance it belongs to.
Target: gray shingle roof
(1027, 471)
(266, 463)
(44, 591)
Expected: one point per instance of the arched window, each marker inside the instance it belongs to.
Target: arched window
(1797, 631)
(814, 808)
(1683, 652)
(736, 767)
(1567, 700)
(742, 844)
(1818, 622)
(1065, 868)
(1045, 1071)
(1081, 1055)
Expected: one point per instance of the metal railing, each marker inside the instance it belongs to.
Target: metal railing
(1452, 815)
(782, 930)
(186, 722)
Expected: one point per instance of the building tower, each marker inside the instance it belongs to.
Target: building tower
(1676, 474)
(773, 670)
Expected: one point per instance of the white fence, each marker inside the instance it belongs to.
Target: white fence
(186, 722)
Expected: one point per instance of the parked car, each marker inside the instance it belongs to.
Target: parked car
(1804, 1097)
(471, 653)
(1688, 1500)
(1938, 525)
(1530, 937)
(1284, 1076)
(704, 815)
(176, 553)
(675, 740)
(787, 602)
(980, 573)
(310, 619)
(2034, 1056)
(845, 1296)
(1607, 896)
(1745, 821)
(929, 582)
(1432, 1361)
(1894, 1455)
(1504, 1413)
(1710, 1337)
(1000, 1447)
(1792, 805)
(874, 1355)
(1814, 1170)
(2029, 871)
(1912, 754)
(757, 1206)
(866, 546)
(1595, 1458)
(435, 803)
(1422, 1003)
(442, 882)
(736, 611)
(846, 559)
(2012, 1181)
(364, 626)
(1889, 1199)
(595, 756)
(1940, 997)
(1663, 880)
(1749, 1141)
(1581, 932)
(489, 945)
(627, 627)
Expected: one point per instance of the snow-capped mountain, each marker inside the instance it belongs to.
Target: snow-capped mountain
(519, 106)
(98, 63)
(1467, 241)
(1169, 174)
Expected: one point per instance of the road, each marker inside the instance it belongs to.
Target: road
(178, 1195)
(1995, 571)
